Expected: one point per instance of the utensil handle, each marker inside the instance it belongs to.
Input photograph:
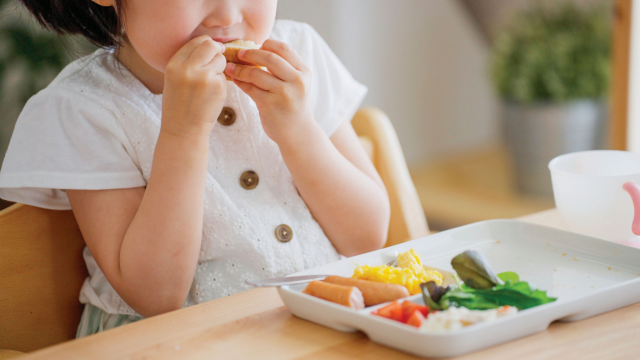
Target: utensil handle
(288, 280)
(634, 191)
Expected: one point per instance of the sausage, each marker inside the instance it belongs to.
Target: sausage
(374, 292)
(344, 295)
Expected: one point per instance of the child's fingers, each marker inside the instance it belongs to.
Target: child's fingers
(217, 64)
(204, 53)
(286, 52)
(253, 75)
(278, 66)
(186, 50)
(253, 91)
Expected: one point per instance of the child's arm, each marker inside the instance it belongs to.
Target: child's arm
(147, 241)
(334, 176)
(341, 188)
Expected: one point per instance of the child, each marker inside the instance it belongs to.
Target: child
(184, 184)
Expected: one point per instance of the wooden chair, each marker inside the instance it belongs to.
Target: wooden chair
(41, 273)
(42, 269)
(381, 142)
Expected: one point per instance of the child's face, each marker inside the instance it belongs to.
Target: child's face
(158, 28)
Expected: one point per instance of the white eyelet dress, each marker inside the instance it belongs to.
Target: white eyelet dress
(96, 126)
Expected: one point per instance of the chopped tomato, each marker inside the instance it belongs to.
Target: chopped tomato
(416, 319)
(392, 311)
(408, 308)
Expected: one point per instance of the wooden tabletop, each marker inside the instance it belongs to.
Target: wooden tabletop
(256, 325)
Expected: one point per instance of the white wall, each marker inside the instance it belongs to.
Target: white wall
(633, 117)
(424, 64)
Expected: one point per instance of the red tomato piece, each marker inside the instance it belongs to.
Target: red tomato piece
(408, 308)
(416, 319)
(392, 311)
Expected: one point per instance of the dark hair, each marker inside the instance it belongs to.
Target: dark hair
(102, 25)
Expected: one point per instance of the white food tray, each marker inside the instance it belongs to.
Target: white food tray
(589, 276)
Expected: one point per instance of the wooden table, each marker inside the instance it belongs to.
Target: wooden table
(256, 325)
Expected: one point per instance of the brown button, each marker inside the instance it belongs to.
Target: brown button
(284, 233)
(227, 116)
(249, 180)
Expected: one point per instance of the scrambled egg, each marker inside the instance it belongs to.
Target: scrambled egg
(410, 273)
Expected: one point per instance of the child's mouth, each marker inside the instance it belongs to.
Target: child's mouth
(224, 39)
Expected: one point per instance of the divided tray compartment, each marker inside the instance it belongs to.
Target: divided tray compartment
(589, 276)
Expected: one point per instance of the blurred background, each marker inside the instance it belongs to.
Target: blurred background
(482, 93)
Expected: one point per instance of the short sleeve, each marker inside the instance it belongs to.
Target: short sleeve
(335, 94)
(66, 140)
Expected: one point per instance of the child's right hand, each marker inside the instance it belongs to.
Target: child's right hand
(194, 88)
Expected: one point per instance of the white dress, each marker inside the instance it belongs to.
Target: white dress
(96, 126)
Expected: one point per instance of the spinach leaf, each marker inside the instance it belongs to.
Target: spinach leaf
(513, 292)
(473, 268)
(509, 276)
(432, 294)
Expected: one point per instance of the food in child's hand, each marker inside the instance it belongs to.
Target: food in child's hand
(233, 47)
(374, 293)
(408, 313)
(455, 318)
(349, 296)
(410, 273)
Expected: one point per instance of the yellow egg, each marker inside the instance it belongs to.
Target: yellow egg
(410, 273)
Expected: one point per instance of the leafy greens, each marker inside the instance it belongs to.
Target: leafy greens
(481, 288)
(473, 268)
(513, 292)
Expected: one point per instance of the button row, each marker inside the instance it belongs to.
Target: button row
(249, 179)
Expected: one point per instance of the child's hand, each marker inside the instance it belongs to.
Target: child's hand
(282, 94)
(194, 87)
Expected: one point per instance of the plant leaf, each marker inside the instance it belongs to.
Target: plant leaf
(509, 276)
(473, 268)
(426, 296)
(518, 294)
(436, 291)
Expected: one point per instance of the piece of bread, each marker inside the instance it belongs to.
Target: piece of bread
(231, 52)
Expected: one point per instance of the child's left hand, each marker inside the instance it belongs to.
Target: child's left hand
(282, 94)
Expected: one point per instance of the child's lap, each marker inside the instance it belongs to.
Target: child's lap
(95, 320)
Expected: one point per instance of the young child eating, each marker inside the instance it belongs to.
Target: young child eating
(185, 184)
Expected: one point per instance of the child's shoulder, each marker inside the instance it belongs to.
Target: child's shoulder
(295, 34)
(97, 75)
(287, 27)
(92, 86)
(89, 90)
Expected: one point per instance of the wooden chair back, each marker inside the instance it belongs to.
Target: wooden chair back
(41, 273)
(379, 139)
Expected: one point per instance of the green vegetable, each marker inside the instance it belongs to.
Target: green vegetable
(432, 293)
(482, 289)
(513, 292)
(473, 268)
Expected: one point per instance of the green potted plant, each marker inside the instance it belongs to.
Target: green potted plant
(552, 69)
